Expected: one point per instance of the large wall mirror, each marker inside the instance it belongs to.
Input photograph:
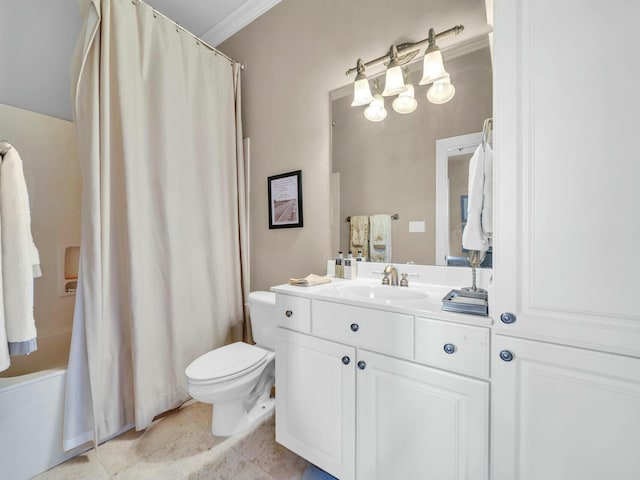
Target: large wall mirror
(390, 166)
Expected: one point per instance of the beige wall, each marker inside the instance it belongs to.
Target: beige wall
(390, 166)
(48, 150)
(295, 55)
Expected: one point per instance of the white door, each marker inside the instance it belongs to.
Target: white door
(416, 422)
(315, 401)
(567, 171)
(562, 413)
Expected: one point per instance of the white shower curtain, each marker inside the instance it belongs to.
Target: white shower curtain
(163, 225)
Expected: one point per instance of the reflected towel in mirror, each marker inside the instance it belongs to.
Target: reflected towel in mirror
(473, 235)
(359, 235)
(380, 237)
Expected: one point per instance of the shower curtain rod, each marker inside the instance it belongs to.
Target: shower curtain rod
(156, 13)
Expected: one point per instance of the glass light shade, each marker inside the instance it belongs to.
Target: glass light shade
(361, 92)
(433, 67)
(394, 82)
(441, 91)
(376, 112)
(405, 102)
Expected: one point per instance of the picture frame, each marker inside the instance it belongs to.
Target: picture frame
(285, 200)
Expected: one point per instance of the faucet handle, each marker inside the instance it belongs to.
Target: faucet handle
(385, 279)
(404, 282)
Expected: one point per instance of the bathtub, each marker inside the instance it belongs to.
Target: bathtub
(31, 416)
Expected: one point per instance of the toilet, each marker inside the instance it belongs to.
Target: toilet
(237, 378)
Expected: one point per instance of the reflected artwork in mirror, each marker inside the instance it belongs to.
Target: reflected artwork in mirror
(390, 166)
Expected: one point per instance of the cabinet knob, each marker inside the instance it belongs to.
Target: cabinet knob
(346, 360)
(288, 313)
(508, 318)
(354, 327)
(506, 355)
(362, 365)
(449, 348)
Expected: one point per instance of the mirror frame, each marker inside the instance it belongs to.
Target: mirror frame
(446, 147)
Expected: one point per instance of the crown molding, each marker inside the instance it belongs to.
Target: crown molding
(238, 19)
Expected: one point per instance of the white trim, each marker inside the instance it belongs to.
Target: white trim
(445, 147)
(236, 20)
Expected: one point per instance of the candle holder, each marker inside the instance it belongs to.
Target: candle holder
(475, 258)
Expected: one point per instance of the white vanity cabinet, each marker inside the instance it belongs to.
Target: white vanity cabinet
(566, 346)
(564, 413)
(316, 401)
(355, 399)
(418, 422)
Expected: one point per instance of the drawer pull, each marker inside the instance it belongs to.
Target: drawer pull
(354, 327)
(508, 318)
(346, 360)
(288, 313)
(506, 355)
(449, 348)
(362, 365)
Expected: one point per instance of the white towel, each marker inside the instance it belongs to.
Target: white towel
(20, 258)
(380, 238)
(473, 236)
(310, 280)
(487, 204)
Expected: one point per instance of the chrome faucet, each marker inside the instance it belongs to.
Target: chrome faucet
(390, 269)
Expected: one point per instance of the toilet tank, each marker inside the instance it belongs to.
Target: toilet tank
(262, 310)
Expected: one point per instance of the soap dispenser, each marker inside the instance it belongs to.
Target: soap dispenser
(339, 266)
(350, 267)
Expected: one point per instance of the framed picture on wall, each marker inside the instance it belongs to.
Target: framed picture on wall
(285, 200)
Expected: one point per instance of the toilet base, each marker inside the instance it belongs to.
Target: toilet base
(231, 418)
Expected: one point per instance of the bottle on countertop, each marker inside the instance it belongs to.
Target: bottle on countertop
(349, 267)
(339, 266)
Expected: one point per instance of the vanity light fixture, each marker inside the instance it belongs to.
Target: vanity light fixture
(405, 102)
(394, 78)
(433, 66)
(361, 90)
(441, 91)
(433, 72)
(376, 112)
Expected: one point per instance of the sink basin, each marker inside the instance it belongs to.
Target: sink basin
(382, 292)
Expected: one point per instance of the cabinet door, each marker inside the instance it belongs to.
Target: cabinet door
(315, 401)
(566, 176)
(416, 422)
(562, 413)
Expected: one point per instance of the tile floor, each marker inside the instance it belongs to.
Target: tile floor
(179, 445)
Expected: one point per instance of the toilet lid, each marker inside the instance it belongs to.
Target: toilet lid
(225, 361)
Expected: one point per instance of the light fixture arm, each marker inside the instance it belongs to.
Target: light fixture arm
(407, 47)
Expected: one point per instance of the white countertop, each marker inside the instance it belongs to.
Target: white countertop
(430, 307)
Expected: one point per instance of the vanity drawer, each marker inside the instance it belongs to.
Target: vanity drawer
(293, 312)
(451, 346)
(386, 332)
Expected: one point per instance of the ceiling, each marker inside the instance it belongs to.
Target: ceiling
(213, 20)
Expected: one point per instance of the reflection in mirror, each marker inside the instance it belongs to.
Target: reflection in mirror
(452, 174)
(389, 167)
(458, 168)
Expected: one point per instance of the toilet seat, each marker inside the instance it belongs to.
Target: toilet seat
(225, 363)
